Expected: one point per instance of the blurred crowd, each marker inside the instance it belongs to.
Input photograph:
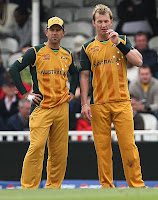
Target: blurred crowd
(15, 24)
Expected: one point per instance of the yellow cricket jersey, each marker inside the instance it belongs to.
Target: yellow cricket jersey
(49, 74)
(108, 69)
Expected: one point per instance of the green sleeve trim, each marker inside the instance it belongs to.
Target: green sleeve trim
(35, 85)
(84, 60)
(128, 44)
(38, 47)
(127, 41)
(86, 44)
(123, 37)
(66, 50)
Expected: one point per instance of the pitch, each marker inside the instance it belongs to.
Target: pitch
(80, 194)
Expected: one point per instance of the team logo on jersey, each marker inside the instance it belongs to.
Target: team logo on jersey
(113, 45)
(46, 57)
(95, 48)
(20, 59)
(63, 57)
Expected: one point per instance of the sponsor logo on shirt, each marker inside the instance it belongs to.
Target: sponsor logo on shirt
(95, 48)
(46, 57)
(63, 57)
(113, 45)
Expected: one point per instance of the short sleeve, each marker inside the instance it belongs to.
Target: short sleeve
(84, 61)
(128, 44)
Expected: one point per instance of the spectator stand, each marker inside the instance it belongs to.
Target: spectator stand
(153, 43)
(8, 46)
(77, 16)
(68, 9)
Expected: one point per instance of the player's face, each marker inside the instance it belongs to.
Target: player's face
(145, 75)
(102, 23)
(55, 34)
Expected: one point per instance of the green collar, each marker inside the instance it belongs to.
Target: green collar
(55, 50)
(104, 41)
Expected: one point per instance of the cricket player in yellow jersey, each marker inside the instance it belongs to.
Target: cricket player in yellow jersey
(49, 64)
(105, 58)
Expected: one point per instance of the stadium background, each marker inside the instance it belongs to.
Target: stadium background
(82, 167)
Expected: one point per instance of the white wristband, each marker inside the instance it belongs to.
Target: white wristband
(84, 105)
(30, 97)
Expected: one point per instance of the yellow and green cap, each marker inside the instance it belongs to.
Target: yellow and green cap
(55, 21)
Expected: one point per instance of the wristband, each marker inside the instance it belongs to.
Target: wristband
(30, 97)
(124, 49)
(84, 105)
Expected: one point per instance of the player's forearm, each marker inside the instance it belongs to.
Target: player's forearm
(84, 86)
(15, 74)
(134, 57)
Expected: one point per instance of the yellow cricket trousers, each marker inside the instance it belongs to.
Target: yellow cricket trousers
(121, 114)
(51, 124)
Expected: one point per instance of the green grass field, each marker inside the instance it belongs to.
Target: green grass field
(80, 194)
